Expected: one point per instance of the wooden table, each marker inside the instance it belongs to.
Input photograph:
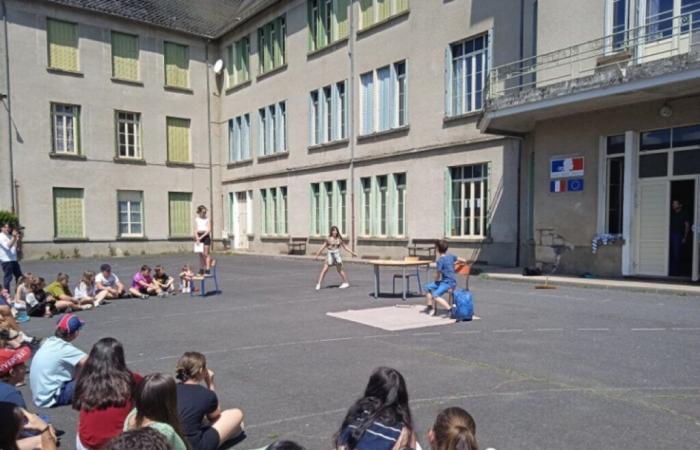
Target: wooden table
(378, 263)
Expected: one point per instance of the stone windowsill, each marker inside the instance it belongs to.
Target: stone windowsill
(183, 165)
(131, 238)
(178, 89)
(128, 82)
(382, 134)
(241, 163)
(69, 156)
(328, 145)
(136, 161)
(461, 117)
(181, 238)
(328, 48)
(271, 72)
(384, 239)
(275, 238)
(470, 240)
(72, 73)
(382, 23)
(65, 240)
(237, 87)
(274, 156)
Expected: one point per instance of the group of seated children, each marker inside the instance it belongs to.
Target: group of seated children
(34, 298)
(113, 403)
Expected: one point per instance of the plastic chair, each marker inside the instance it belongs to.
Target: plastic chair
(408, 276)
(461, 268)
(203, 282)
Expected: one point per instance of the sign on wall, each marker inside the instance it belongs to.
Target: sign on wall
(573, 185)
(566, 167)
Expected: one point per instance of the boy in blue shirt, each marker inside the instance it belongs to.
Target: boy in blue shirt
(444, 280)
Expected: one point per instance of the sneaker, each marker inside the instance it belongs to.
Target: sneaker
(144, 296)
(318, 287)
(162, 294)
(344, 286)
(435, 312)
(427, 310)
(22, 316)
(86, 307)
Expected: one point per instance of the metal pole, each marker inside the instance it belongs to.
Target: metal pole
(211, 169)
(351, 119)
(9, 107)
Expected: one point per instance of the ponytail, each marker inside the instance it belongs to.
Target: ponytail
(455, 429)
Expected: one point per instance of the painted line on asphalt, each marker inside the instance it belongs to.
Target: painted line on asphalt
(513, 330)
(647, 329)
(549, 329)
(685, 328)
(593, 329)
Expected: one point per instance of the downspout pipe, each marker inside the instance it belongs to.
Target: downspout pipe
(351, 121)
(519, 203)
(8, 100)
(211, 167)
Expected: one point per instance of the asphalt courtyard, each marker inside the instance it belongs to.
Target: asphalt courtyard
(570, 368)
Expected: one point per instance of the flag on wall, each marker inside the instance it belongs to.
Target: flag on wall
(566, 167)
(557, 186)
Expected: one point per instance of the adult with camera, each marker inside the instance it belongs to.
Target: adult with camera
(9, 240)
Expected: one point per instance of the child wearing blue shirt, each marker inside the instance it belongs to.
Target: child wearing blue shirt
(444, 280)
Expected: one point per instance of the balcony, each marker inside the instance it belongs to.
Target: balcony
(660, 59)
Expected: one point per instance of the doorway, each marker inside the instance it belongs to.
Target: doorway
(240, 219)
(681, 224)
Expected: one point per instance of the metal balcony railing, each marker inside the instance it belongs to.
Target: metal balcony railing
(602, 60)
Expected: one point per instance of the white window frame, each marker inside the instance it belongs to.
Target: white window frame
(328, 114)
(272, 129)
(371, 116)
(467, 102)
(239, 138)
(483, 182)
(124, 122)
(400, 203)
(68, 116)
(367, 197)
(128, 199)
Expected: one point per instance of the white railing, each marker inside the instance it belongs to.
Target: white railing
(660, 37)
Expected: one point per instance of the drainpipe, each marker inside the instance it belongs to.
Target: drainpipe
(351, 120)
(211, 168)
(9, 106)
(518, 202)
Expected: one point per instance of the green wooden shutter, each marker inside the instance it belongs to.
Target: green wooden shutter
(321, 25)
(447, 204)
(178, 131)
(68, 213)
(384, 9)
(392, 206)
(232, 64)
(125, 56)
(448, 81)
(401, 6)
(76, 129)
(312, 211)
(375, 221)
(309, 25)
(62, 40)
(278, 40)
(180, 213)
(177, 62)
(245, 59)
(341, 18)
(367, 10)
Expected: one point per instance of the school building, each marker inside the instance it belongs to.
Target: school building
(520, 131)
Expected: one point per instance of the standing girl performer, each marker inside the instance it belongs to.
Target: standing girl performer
(202, 236)
(334, 243)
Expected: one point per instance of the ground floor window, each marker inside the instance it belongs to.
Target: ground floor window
(468, 193)
(328, 207)
(69, 213)
(614, 178)
(273, 211)
(130, 213)
(180, 214)
(383, 208)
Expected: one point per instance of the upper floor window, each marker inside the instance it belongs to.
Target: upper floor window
(328, 114)
(376, 11)
(62, 38)
(271, 45)
(383, 97)
(177, 65)
(239, 138)
(128, 135)
(466, 70)
(238, 55)
(66, 128)
(125, 56)
(272, 129)
(178, 134)
(328, 22)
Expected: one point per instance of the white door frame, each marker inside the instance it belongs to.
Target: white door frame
(696, 233)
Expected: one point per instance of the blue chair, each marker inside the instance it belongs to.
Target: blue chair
(202, 279)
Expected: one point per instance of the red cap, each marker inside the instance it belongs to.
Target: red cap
(10, 358)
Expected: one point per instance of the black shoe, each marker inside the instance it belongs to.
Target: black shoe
(427, 310)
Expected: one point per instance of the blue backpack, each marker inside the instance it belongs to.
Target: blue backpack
(463, 308)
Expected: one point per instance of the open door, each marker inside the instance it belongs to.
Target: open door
(696, 233)
(651, 257)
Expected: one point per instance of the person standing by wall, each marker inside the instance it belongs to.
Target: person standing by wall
(680, 234)
(9, 240)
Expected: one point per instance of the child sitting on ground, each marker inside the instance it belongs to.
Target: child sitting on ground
(38, 304)
(163, 280)
(142, 285)
(108, 281)
(19, 303)
(86, 291)
(60, 292)
(444, 280)
(186, 276)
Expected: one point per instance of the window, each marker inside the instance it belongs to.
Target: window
(614, 177)
(271, 45)
(469, 201)
(125, 56)
(239, 62)
(130, 213)
(328, 22)
(177, 65)
(272, 129)
(328, 203)
(384, 205)
(178, 131)
(327, 117)
(376, 11)
(466, 70)
(68, 213)
(618, 11)
(128, 135)
(274, 211)
(180, 214)
(655, 146)
(66, 128)
(384, 99)
(62, 38)
(239, 138)
(660, 17)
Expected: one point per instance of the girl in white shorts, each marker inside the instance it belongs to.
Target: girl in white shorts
(334, 243)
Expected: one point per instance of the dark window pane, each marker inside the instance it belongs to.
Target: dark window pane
(616, 144)
(686, 162)
(616, 171)
(654, 140)
(686, 136)
(655, 165)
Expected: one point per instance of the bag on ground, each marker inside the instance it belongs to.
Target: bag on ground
(463, 308)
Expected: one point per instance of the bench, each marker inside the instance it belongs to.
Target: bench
(297, 246)
(423, 249)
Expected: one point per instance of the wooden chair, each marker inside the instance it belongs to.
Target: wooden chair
(407, 279)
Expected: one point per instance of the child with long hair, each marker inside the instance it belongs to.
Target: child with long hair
(86, 291)
(38, 304)
(104, 392)
(14, 420)
(454, 429)
(334, 243)
(198, 404)
(186, 276)
(381, 419)
(142, 284)
(156, 406)
(202, 235)
(20, 299)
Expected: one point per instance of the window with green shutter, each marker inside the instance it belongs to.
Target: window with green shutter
(238, 55)
(177, 65)
(125, 56)
(180, 214)
(327, 22)
(377, 11)
(178, 131)
(68, 213)
(62, 38)
(272, 45)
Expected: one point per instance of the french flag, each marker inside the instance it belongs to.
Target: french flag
(567, 165)
(557, 186)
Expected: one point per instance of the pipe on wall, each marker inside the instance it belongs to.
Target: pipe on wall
(8, 100)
